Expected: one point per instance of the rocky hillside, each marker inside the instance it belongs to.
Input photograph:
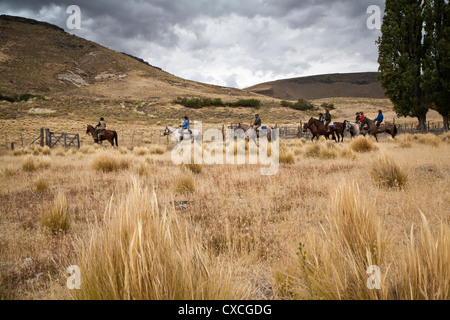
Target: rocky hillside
(358, 85)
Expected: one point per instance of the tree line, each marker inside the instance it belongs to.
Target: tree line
(414, 57)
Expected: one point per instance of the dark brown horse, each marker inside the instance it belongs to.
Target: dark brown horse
(109, 135)
(373, 130)
(338, 129)
(318, 129)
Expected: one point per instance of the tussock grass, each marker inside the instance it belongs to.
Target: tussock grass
(428, 139)
(28, 164)
(144, 253)
(41, 184)
(424, 271)
(286, 158)
(109, 162)
(387, 173)
(157, 150)
(363, 144)
(184, 184)
(55, 219)
(335, 267)
(140, 151)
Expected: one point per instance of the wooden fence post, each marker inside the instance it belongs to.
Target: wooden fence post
(21, 138)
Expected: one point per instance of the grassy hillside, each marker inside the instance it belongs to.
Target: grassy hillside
(358, 85)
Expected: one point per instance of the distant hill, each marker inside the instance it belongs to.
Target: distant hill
(358, 85)
(41, 58)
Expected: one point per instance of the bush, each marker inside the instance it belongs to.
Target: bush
(41, 185)
(329, 106)
(301, 104)
(28, 164)
(248, 103)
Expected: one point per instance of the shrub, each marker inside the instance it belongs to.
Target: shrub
(329, 106)
(387, 173)
(248, 103)
(363, 144)
(56, 219)
(301, 104)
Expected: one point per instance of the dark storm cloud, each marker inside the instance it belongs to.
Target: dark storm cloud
(228, 42)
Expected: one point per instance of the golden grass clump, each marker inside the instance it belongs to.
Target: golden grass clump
(429, 139)
(55, 219)
(193, 167)
(286, 158)
(157, 150)
(425, 265)
(363, 144)
(387, 173)
(336, 264)
(140, 151)
(140, 252)
(184, 184)
(41, 184)
(404, 140)
(28, 164)
(108, 162)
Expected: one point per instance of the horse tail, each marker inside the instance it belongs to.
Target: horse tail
(115, 138)
(395, 131)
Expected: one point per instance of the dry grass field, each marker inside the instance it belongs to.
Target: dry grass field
(140, 227)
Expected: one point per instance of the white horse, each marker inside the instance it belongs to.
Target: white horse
(176, 132)
(352, 127)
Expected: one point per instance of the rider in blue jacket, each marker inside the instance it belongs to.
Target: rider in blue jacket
(185, 125)
(378, 120)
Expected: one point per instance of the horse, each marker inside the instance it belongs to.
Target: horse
(352, 128)
(195, 135)
(317, 129)
(109, 135)
(374, 130)
(251, 133)
(338, 128)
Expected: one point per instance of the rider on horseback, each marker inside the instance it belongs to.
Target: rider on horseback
(378, 120)
(185, 125)
(327, 118)
(257, 123)
(100, 128)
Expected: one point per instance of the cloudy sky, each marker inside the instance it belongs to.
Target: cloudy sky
(234, 43)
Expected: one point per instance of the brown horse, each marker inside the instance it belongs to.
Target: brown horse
(249, 133)
(317, 129)
(373, 130)
(338, 129)
(109, 135)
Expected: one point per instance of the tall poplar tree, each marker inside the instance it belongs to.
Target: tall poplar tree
(401, 58)
(436, 73)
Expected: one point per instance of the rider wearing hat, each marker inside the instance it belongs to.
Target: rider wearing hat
(257, 122)
(100, 128)
(185, 125)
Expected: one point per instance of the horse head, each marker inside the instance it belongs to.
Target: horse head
(166, 131)
(89, 129)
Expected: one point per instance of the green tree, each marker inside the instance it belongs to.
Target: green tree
(401, 58)
(436, 74)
